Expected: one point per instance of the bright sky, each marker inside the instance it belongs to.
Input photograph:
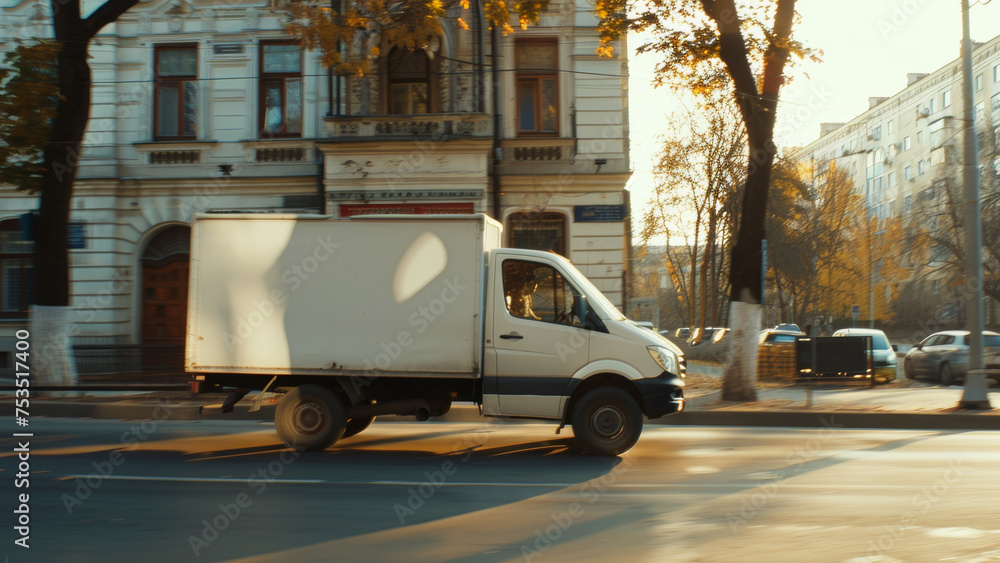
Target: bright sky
(868, 48)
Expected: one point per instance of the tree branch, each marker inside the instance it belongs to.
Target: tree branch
(107, 13)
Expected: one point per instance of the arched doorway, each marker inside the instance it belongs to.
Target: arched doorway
(165, 265)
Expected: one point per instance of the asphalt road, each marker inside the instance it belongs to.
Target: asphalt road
(102, 490)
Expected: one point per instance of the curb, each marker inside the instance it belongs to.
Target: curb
(834, 419)
(469, 413)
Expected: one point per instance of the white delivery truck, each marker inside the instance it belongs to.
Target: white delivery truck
(352, 319)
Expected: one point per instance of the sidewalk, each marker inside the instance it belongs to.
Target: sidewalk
(796, 406)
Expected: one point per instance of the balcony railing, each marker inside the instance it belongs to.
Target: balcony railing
(537, 150)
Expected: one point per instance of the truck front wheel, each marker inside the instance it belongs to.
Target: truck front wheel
(310, 418)
(606, 421)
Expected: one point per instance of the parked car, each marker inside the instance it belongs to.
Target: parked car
(773, 336)
(945, 355)
(883, 356)
(706, 335)
(789, 327)
(682, 332)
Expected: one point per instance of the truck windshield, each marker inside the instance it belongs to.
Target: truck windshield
(593, 294)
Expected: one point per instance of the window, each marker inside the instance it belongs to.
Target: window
(17, 258)
(920, 136)
(409, 82)
(906, 204)
(537, 87)
(891, 180)
(280, 90)
(906, 143)
(538, 231)
(921, 167)
(930, 106)
(995, 102)
(945, 99)
(538, 292)
(176, 92)
(996, 73)
(906, 173)
(889, 127)
(877, 133)
(979, 82)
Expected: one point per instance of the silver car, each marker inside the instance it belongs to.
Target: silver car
(883, 356)
(945, 355)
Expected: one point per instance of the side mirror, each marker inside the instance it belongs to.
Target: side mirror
(588, 318)
(895, 347)
(581, 308)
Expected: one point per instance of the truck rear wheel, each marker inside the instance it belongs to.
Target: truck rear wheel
(310, 418)
(606, 421)
(356, 426)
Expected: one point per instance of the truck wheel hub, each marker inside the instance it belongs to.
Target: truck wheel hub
(608, 422)
(309, 418)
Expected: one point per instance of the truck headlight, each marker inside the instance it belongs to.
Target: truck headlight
(664, 358)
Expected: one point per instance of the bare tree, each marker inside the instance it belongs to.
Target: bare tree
(697, 175)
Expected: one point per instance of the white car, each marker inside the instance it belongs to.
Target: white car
(883, 356)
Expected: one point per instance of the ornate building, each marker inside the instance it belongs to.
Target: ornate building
(212, 107)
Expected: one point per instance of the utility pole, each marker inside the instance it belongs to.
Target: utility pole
(974, 383)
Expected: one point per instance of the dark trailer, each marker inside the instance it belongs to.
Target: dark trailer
(835, 358)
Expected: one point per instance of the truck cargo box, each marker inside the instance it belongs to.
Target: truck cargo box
(298, 294)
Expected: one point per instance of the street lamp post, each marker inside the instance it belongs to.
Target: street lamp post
(974, 395)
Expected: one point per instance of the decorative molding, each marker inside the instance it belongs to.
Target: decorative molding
(417, 126)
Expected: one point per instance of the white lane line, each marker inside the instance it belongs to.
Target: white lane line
(312, 481)
(675, 487)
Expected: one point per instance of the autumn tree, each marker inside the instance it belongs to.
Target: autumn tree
(828, 249)
(696, 177)
(792, 242)
(350, 33)
(28, 98)
(711, 47)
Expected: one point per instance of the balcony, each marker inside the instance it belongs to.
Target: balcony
(422, 126)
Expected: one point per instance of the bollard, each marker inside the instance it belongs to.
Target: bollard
(974, 396)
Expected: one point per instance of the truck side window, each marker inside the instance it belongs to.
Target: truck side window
(538, 292)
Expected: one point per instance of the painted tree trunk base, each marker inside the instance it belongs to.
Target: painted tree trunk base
(53, 360)
(739, 381)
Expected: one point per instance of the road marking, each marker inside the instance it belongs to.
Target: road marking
(623, 487)
(317, 481)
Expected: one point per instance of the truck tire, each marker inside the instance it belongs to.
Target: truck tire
(310, 418)
(606, 421)
(356, 426)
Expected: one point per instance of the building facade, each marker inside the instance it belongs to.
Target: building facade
(904, 156)
(212, 107)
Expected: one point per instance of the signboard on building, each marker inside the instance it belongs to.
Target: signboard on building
(351, 210)
(598, 213)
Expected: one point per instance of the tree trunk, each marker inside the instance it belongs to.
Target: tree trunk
(50, 325)
(739, 382)
(745, 265)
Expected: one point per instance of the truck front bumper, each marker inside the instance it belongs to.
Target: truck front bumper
(661, 395)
